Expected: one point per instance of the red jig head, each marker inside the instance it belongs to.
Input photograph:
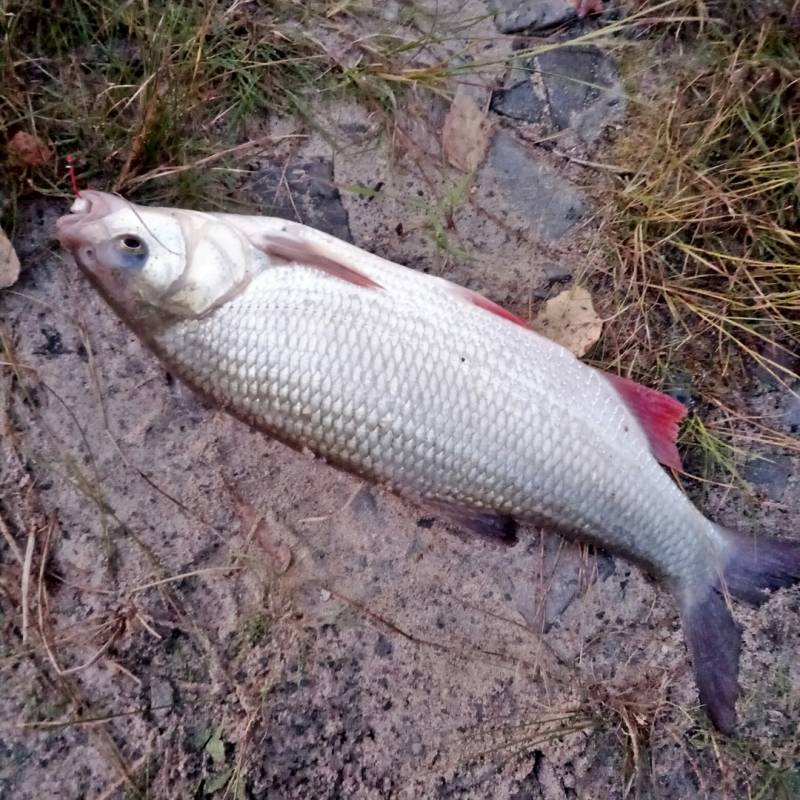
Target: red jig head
(71, 168)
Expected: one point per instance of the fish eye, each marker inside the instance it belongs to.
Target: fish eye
(126, 251)
(132, 244)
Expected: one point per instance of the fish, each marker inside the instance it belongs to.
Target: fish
(431, 391)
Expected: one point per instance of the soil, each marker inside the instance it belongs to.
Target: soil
(216, 615)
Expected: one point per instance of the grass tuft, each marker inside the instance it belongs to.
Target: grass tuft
(706, 237)
(131, 88)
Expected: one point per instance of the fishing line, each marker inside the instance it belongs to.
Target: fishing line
(150, 230)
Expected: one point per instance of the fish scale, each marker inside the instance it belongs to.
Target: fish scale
(429, 389)
(378, 388)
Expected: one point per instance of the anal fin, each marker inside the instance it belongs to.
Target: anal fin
(489, 525)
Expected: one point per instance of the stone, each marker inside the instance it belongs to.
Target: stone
(162, 695)
(512, 16)
(777, 360)
(583, 91)
(679, 385)
(364, 503)
(791, 413)
(769, 474)
(303, 191)
(550, 204)
(519, 101)
(558, 272)
(383, 647)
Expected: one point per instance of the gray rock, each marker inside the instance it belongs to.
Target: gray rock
(791, 412)
(519, 101)
(771, 374)
(364, 503)
(518, 15)
(383, 647)
(550, 204)
(679, 385)
(303, 191)
(769, 474)
(558, 273)
(582, 87)
(162, 695)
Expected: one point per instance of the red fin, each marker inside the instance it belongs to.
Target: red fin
(487, 305)
(658, 414)
(308, 254)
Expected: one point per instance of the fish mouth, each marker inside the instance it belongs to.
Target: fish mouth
(90, 206)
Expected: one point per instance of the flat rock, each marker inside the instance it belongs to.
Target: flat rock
(550, 204)
(572, 87)
(791, 412)
(769, 474)
(583, 90)
(520, 101)
(680, 386)
(512, 16)
(303, 191)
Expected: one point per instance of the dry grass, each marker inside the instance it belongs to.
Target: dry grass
(707, 245)
(131, 88)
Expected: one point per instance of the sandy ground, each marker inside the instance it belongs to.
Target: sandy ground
(231, 618)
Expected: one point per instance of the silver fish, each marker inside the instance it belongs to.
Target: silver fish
(429, 390)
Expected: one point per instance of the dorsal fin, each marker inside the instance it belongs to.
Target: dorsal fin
(308, 254)
(488, 305)
(658, 414)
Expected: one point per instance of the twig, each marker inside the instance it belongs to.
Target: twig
(26, 581)
(595, 164)
(42, 628)
(49, 724)
(244, 147)
(183, 575)
(14, 547)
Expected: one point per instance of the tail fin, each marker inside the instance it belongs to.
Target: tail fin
(754, 566)
(759, 564)
(714, 640)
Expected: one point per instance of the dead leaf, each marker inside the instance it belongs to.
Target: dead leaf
(465, 135)
(569, 318)
(9, 263)
(28, 150)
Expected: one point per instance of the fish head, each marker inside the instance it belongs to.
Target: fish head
(156, 264)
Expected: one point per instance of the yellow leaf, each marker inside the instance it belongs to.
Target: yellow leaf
(9, 263)
(569, 318)
(465, 135)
